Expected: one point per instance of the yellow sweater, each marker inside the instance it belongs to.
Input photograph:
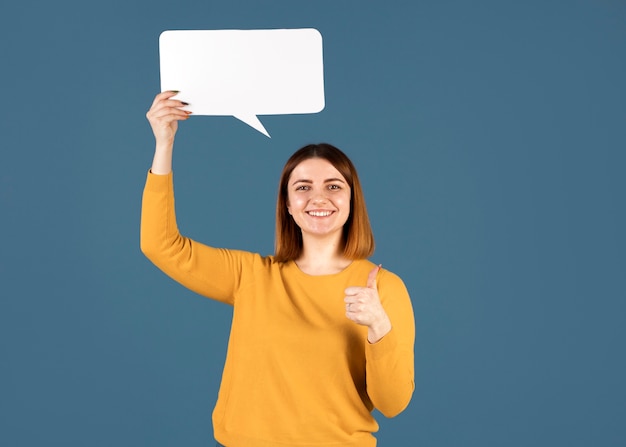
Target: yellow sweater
(298, 372)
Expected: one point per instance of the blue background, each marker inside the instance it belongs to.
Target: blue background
(490, 139)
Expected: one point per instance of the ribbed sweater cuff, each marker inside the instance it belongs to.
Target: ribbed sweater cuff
(383, 346)
(156, 182)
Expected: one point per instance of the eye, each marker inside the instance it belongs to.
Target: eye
(334, 187)
(303, 188)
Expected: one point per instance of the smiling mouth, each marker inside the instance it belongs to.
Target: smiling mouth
(319, 213)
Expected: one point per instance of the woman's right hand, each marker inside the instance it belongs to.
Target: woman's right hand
(164, 115)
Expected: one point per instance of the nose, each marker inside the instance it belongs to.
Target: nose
(320, 197)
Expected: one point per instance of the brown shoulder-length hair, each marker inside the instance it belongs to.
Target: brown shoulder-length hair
(358, 239)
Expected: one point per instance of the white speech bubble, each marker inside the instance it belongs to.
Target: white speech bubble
(244, 73)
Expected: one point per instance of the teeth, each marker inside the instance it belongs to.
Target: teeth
(320, 213)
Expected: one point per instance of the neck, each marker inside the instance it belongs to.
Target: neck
(321, 257)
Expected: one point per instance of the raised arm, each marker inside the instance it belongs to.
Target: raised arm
(164, 115)
(209, 271)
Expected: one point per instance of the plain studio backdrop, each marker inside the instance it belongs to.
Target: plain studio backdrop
(490, 139)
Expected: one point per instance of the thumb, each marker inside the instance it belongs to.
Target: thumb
(371, 278)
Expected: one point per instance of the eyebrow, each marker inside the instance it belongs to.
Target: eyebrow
(328, 180)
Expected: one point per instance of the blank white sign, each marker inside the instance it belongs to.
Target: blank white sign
(244, 73)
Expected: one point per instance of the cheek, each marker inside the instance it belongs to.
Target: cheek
(345, 202)
(294, 203)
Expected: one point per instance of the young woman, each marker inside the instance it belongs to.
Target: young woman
(320, 335)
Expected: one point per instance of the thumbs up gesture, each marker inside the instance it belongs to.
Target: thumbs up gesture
(363, 307)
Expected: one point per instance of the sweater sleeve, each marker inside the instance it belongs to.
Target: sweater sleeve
(390, 361)
(211, 272)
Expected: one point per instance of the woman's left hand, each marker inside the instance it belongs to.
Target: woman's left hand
(363, 307)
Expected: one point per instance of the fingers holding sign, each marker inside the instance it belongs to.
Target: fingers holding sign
(164, 115)
(363, 306)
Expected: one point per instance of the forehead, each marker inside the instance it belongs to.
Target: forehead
(315, 169)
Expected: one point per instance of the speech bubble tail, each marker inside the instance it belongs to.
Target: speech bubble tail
(253, 121)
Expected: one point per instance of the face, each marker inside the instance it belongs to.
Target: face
(318, 198)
